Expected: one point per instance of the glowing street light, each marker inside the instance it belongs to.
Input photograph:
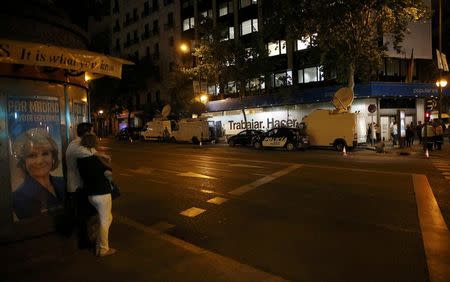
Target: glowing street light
(204, 98)
(441, 83)
(100, 112)
(184, 48)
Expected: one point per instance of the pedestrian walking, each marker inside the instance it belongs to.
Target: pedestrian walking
(95, 173)
(439, 138)
(409, 135)
(394, 132)
(419, 131)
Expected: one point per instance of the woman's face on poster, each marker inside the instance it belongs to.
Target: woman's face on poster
(39, 160)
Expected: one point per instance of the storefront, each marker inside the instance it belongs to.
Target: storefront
(265, 112)
(44, 94)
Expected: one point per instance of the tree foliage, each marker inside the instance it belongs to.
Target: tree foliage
(348, 32)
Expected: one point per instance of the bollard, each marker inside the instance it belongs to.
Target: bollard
(344, 152)
(427, 155)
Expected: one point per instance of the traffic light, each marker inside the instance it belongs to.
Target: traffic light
(427, 116)
(430, 104)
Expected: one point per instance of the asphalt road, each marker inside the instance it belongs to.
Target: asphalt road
(304, 216)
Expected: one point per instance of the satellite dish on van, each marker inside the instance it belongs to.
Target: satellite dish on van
(166, 111)
(343, 98)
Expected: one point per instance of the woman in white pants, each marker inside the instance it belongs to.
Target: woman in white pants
(92, 171)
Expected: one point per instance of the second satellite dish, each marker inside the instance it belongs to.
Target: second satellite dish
(166, 111)
(343, 98)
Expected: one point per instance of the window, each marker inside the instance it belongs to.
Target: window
(231, 87)
(207, 14)
(147, 51)
(225, 8)
(188, 23)
(118, 44)
(170, 18)
(256, 84)
(172, 66)
(167, 2)
(249, 26)
(135, 15)
(155, 27)
(146, 8)
(304, 43)
(311, 74)
(276, 48)
(149, 97)
(213, 89)
(245, 3)
(228, 33)
(282, 78)
(155, 5)
(171, 41)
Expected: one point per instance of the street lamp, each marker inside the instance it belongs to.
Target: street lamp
(184, 48)
(440, 83)
(204, 98)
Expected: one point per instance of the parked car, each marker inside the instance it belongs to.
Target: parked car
(129, 134)
(283, 137)
(245, 137)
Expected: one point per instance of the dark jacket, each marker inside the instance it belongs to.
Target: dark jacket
(92, 171)
(31, 198)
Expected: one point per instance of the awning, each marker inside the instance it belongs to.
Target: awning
(36, 54)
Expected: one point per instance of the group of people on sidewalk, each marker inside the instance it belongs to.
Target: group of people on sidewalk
(89, 185)
(430, 134)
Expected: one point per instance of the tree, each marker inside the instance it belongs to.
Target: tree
(220, 60)
(348, 32)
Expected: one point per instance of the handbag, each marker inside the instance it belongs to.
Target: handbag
(115, 190)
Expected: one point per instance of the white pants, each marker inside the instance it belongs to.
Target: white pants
(103, 204)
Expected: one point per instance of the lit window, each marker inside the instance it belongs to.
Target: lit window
(231, 32)
(276, 48)
(225, 8)
(312, 74)
(305, 42)
(256, 84)
(282, 78)
(249, 26)
(188, 23)
(207, 14)
(231, 87)
(213, 89)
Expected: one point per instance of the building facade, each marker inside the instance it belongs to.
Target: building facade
(156, 28)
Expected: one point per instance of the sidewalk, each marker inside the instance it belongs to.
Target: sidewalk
(144, 254)
(416, 149)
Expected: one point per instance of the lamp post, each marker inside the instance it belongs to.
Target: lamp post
(440, 83)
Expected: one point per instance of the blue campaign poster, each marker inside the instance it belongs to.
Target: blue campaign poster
(34, 127)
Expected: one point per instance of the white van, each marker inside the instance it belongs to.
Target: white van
(335, 128)
(193, 130)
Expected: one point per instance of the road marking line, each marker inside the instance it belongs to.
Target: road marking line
(259, 174)
(196, 175)
(217, 200)
(125, 174)
(358, 169)
(162, 226)
(233, 269)
(248, 187)
(192, 212)
(445, 173)
(443, 169)
(435, 234)
(207, 191)
(156, 181)
(212, 168)
(244, 165)
(447, 177)
(442, 165)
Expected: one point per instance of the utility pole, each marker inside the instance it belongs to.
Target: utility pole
(440, 69)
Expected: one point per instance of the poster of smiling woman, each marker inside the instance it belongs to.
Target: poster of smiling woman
(35, 140)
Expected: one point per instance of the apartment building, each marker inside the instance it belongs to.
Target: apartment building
(295, 83)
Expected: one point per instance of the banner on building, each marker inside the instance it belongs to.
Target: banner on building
(35, 54)
(37, 181)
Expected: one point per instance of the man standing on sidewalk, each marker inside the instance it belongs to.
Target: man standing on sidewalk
(80, 209)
